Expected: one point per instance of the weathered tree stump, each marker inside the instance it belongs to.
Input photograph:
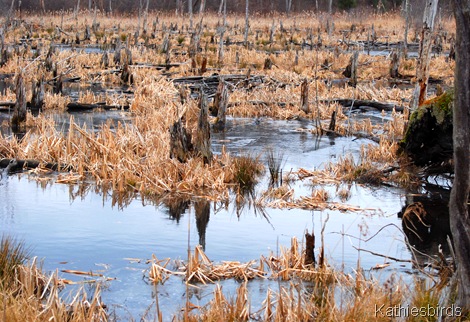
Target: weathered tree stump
(304, 106)
(203, 134)
(219, 107)
(19, 112)
(37, 100)
(180, 142)
(126, 76)
(309, 258)
(104, 63)
(268, 63)
(394, 64)
(351, 69)
(428, 137)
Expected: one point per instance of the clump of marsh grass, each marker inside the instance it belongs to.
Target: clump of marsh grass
(246, 170)
(28, 294)
(13, 254)
(275, 161)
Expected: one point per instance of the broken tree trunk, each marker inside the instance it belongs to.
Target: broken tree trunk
(203, 134)
(394, 64)
(309, 258)
(428, 137)
(180, 142)
(220, 104)
(304, 106)
(19, 113)
(351, 69)
(422, 70)
(37, 100)
(247, 23)
(460, 194)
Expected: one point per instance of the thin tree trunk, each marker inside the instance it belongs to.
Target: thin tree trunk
(422, 70)
(190, 10)
(247, 22)
(459, 197)
(201, 8)
(407, 25)
(304, 106)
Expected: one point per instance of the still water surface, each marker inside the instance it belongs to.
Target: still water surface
(88, 233)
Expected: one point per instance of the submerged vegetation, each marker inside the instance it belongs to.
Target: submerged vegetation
(159, 80)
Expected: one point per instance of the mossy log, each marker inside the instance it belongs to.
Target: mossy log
(428, 137)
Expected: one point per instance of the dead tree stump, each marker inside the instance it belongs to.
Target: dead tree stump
(394, 64)
(180, 142)
(219, 107)
(203, 134)
(19, 113)
(351, 69)
(268, 63)
(304, 106)
(126, 76)
(309, 258)
(37, 100)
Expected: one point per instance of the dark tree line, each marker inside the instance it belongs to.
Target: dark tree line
(262, 6)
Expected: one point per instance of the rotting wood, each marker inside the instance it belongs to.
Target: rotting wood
(309, 258)
(348, 103)
(37, 100)
(19, 111)
(203, 135)
(304, 106)
(222, 101)
(394, 64)
(31, 164)
(75, 106)
(422, 70)
(332, 126)
(180, 142)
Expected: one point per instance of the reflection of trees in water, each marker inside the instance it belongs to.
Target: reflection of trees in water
(203, 210)
(425, 222)
(176, 207)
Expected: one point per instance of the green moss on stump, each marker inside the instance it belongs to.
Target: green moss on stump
(428, 138)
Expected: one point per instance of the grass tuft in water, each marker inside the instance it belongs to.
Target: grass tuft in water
(13, 253)
(275, 161)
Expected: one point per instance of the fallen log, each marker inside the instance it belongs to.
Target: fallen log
(31, 164)
(355, 104)
(74, 106)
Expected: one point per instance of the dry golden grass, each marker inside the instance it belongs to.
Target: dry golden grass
(314, 293)
(27, 294)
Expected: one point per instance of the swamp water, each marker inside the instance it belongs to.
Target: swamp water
(73, 227)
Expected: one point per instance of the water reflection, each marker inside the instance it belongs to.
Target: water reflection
(426, 224)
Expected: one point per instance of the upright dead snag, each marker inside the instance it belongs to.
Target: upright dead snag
(180, 142)
(351, 69)
(37, 100)
(422, 70)
(460, 194)
(304, 106)
(19, 113)
(220, 105)
(203, 134)
(309, 258)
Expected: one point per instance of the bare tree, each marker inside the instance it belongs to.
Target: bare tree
(190, 10)
(422, 70)
(459, 197)
(247, 22)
